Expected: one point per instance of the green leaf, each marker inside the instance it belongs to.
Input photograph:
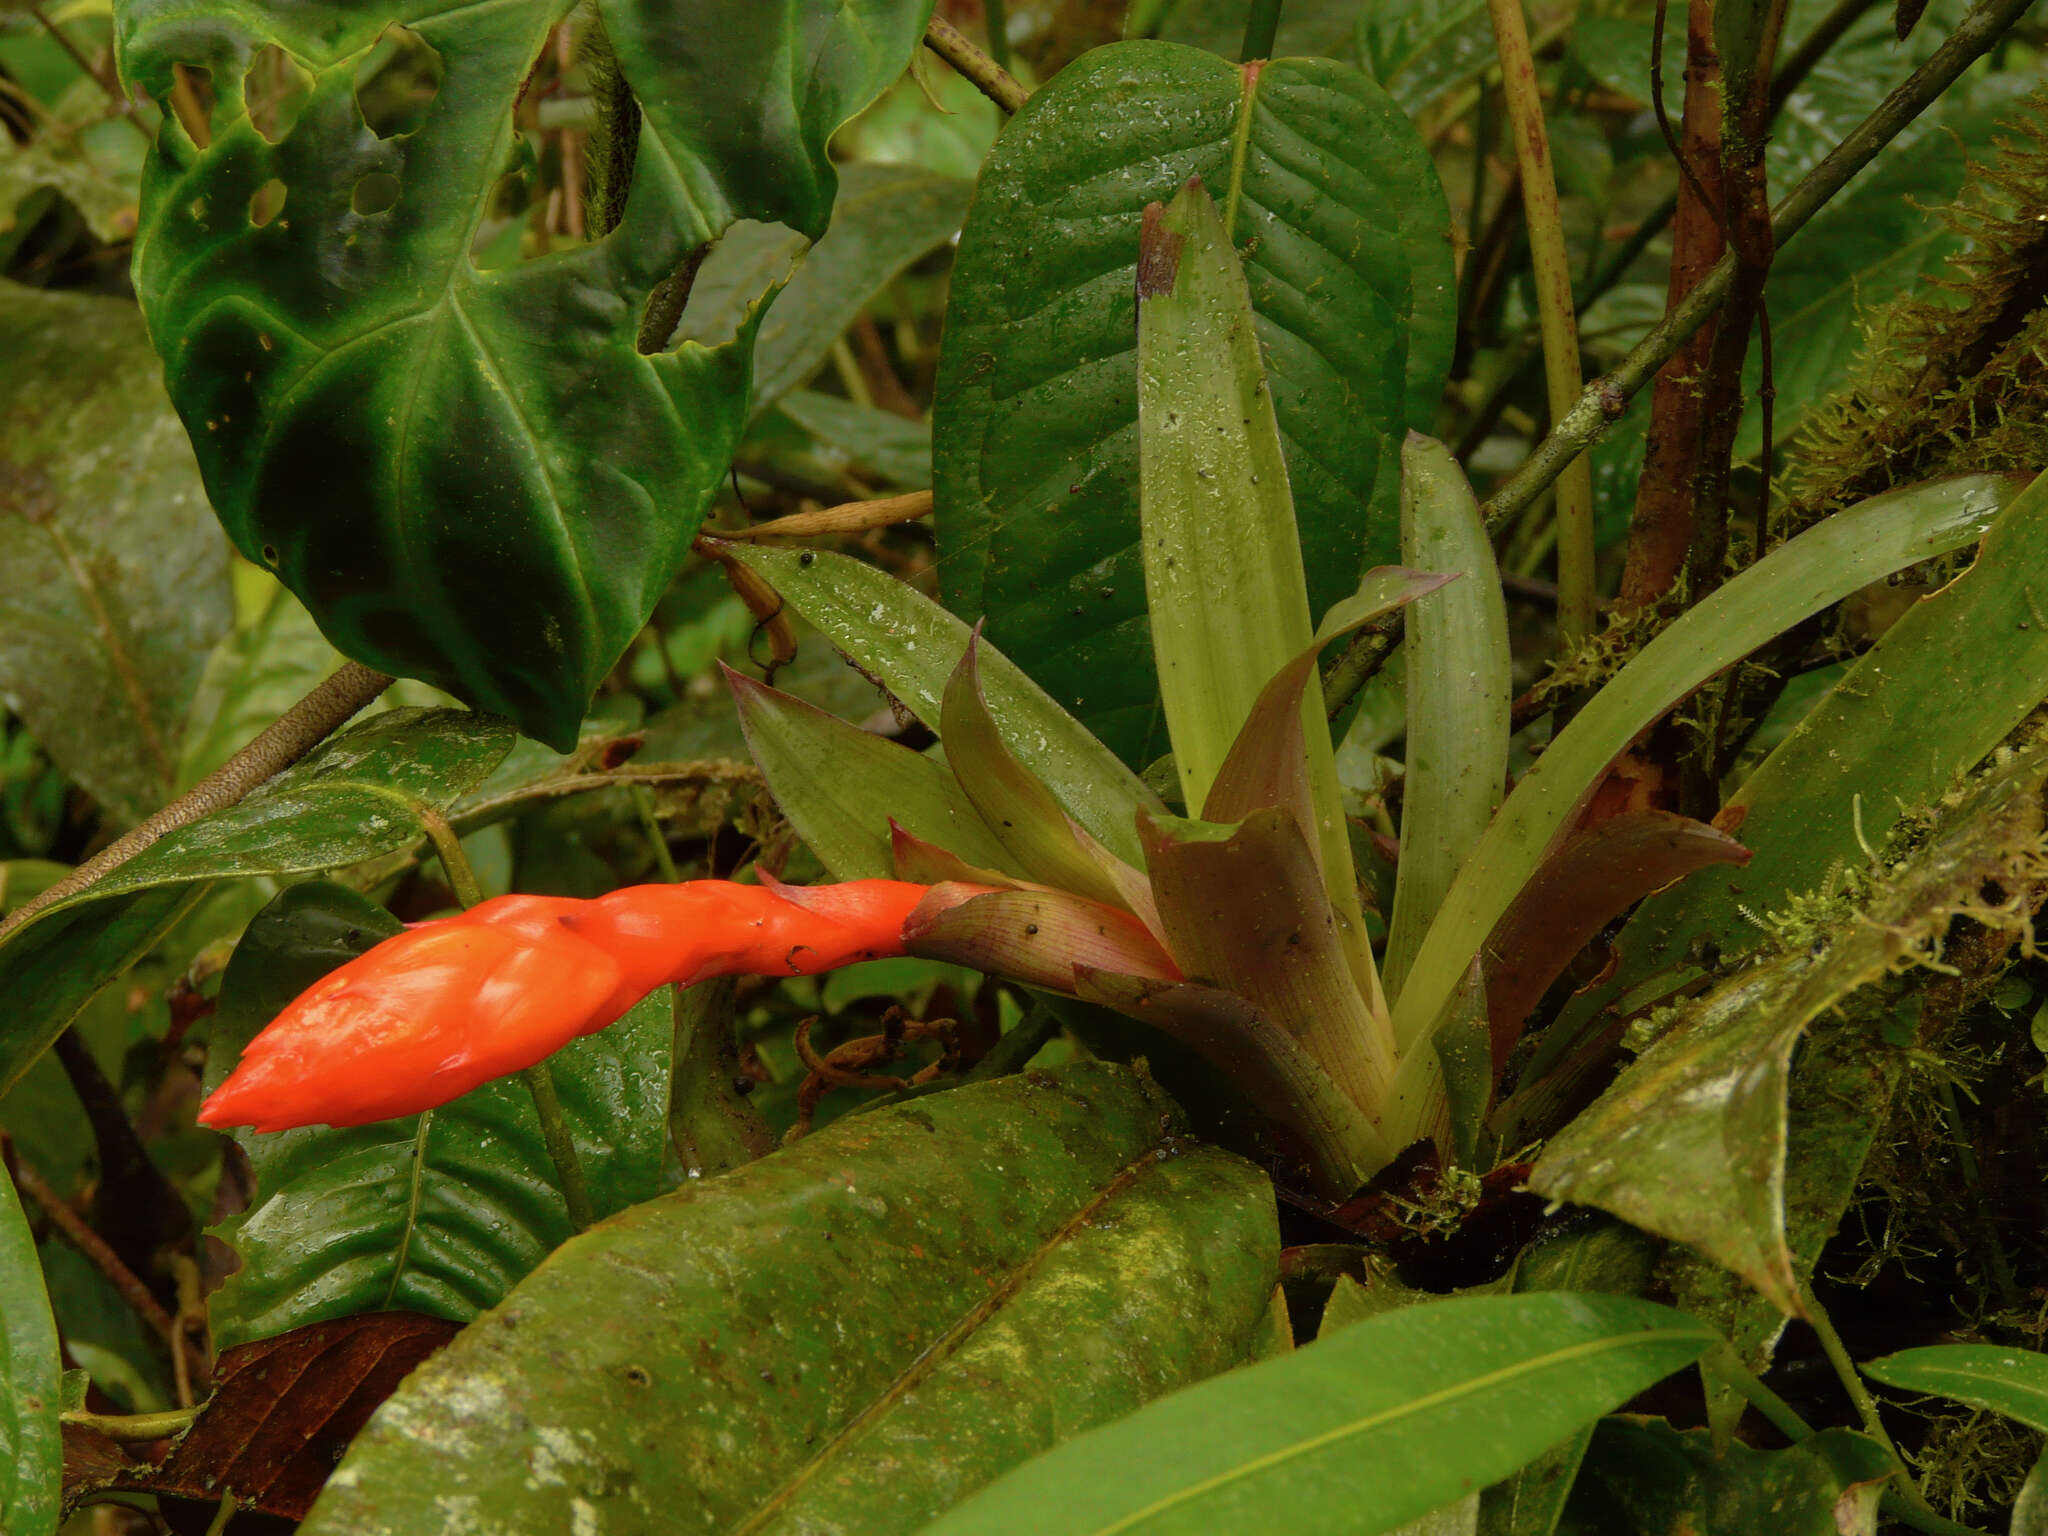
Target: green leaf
(1841, 768)
(1819, 567)
(878, 445)
(886, 217)
(1460, 686)
(779, 1349)
(1326, 185)
(912, 645)
(351, 799)
(113, 579)
(2013, 1382)
(31, 1452)
(1357, 1433)
(439, 1213)
(1690, 1141)
(1014, 804)
(472, 476)
(1648, 1479)
(841, 786)
(1418, 49)
(1037, 937)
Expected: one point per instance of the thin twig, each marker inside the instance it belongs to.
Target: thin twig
(133, 1427)
(1607, 397)
(983, 72)
(73, 1229)
(1554, 307)
(847, 517)
(283, 742)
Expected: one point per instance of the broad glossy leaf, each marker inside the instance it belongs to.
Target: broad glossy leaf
(1842, 767)
(350, 799)
(1689, 1143)
(912, 645)
(1357, 1433)
(31, 1453)
(113, 579)
(843, 788)
(1035, 443)
(440, 1213)
(991, 1269)
(1460, 685)
(1819, 567)
(2013, 1382)
(472, 476)
(1644, 1478)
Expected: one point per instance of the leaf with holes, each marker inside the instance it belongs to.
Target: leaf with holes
(1329, 192)
(440, 1213)
(781, 1348)
(354, 797)
(478, 477)
(113, 579)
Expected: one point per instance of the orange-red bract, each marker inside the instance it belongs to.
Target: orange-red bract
(432, 1012)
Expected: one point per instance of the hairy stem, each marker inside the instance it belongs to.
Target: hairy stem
(983, 72)
(283, 742)
(1554, 306)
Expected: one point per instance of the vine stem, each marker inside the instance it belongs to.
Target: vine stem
(283, 742)
(1607, 397)
(983, 72)
(133, 1427)
(540, 1082)
(1554, 309)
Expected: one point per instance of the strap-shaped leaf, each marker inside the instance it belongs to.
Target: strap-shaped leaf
(2013, 1382)
(31, 1453)
(845, 789)
(471, 476)
(1329, 192)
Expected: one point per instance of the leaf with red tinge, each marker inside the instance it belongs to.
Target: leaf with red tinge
(1580, 889)
(1282, 952)
(1033, 936)
(282, 1411)
(1025, 816)
(923, 863)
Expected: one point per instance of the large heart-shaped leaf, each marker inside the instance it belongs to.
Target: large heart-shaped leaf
(357, 796)
(113, 579)
(472, 476)
(1336, 205)
(440, 1212)
(781, 1348)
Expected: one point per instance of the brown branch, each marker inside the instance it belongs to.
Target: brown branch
(847, 517)
(983, 72)
(283, 742)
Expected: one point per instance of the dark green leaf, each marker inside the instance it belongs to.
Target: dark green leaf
(1648, 1479)
(31, 1454)
(113, 578)
(1689, 1143)
(260, 670)
(2013, 1382)
(439, 1213)
(1418, 49)
(472, 476)
(1036, 456)
(782, 1348)
(877, 445)
(350, 799)
(1355, 1434)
